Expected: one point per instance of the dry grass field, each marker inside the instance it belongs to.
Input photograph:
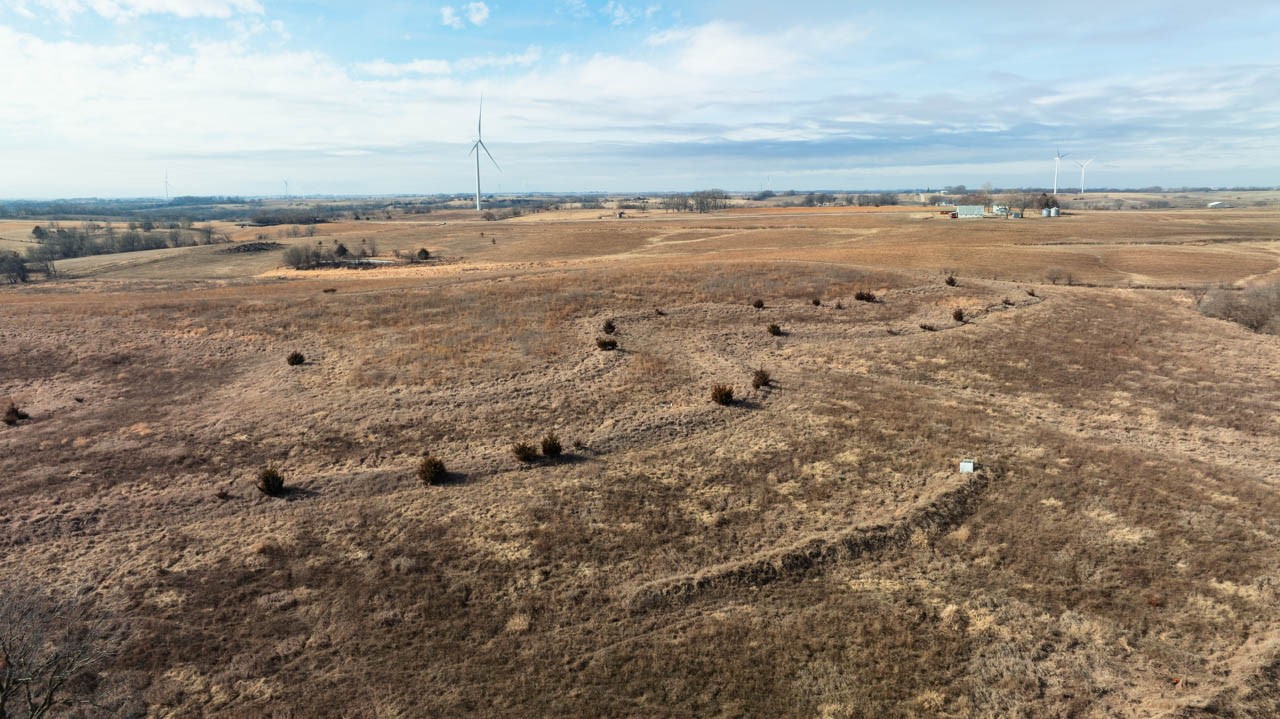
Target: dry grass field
(808, 550)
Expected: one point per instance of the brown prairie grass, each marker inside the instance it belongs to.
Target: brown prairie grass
(1130, 538)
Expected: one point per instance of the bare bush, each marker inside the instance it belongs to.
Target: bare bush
(49, 653)
(551, 447)
(524, 452)
(270, 482)
(760, 379)
(1257, 308)
(432, 470)
(722, 394)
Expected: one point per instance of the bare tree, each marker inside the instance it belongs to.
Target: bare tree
(49, 650)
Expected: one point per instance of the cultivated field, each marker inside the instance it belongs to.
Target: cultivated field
(809, 550)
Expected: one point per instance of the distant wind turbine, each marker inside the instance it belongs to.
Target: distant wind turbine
(477, 147)
(166, 185)
(1082, 166)
(286, 188)
(1057, 163)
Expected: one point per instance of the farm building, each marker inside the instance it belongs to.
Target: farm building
(963, 211)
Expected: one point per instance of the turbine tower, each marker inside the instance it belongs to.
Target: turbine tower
(477, 147)
(286, 188)
(1057, 163)
(166, 185)
(1082, 166)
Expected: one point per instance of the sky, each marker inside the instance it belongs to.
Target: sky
(103, 98)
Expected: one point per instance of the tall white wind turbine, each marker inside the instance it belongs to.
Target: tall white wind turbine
(477, 147)
(1057, 163)
(1082, 166)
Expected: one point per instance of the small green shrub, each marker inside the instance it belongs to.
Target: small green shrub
(270, 482)
(722, 394)
(758, 304)
(525, 452)
(608, 327)
(551, 447)
(760, 378)
(774, 330)
(864, 296)
(431, 470)
(606, 344)
(295, 358)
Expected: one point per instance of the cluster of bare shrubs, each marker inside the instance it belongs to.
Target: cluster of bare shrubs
(295, 358)
(864, 296)
(1257, 308)
(526, 452)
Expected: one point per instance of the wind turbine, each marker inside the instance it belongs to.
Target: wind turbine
(166, 185)
(1057, 163)
(286, 188)
(477, 147)
(1082, 166)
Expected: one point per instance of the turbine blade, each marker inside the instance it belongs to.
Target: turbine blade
(486, 151)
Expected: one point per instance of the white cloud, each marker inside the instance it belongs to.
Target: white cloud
(524, 59)
(125, 9)
(449, 17)
(382, 68)
(477, 13)
(619, 14)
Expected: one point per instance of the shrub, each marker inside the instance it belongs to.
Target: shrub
(958, 315)
(1257, 308)
(760, 378)
(432, 470)
(722, 394)
(270, 482)
(817, 302)
(1031, 291)
(1008, 302)
(524, 451)
(839, 305)
(606, 344)
(1057, 274)
(551, 447)
(423, 254)
(951, 281)
(329, 290)
(758, 304)
(608, 327)
(661, 312)
(295, 358)
(929, 328)
(864, 296)
(774, 330)
(13, 415)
